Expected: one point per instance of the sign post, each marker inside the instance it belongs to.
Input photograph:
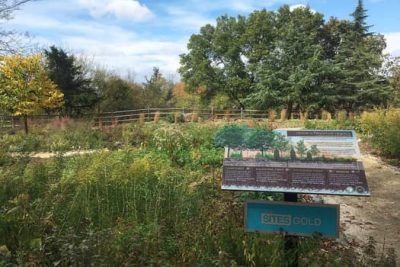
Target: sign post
(291, 241)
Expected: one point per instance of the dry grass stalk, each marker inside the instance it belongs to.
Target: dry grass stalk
(303, 116)
(142, 118)
(157, 116)
(250, 123)
(326, 115)
(195, 117)
(227, 116)
(271, 115)
(283, 114)
(352, 116)
(177, 117)
(341, 115)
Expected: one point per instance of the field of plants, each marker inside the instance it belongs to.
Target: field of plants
(153, 198)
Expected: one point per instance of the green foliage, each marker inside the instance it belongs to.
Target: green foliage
(231, 136)
(157, 91)
(276, 154)
(381, 129)
(301, 148)
(116, 93)
(292, 153)
(69, 76)
(152, 204)
(54, 139)
(314, 150)
(259, 138)
(289, 59)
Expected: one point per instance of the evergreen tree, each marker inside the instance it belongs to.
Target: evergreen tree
(360, 15)
(359, 59)
(63, 70)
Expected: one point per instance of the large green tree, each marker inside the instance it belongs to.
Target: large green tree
(293, 73)
(64, 70)
(216, 61)
(359, 58)
(289, 59)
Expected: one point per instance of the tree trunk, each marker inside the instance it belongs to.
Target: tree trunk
(289, 110)
(26, 123)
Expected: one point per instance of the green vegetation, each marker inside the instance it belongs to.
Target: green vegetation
(381, 129)
(292, 60)
(155, 201)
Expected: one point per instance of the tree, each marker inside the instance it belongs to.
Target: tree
(292, 153)
(259, 138)
(314, 150)
(182, 99)
(25, 87)
(301, 148)
(116, 93)
(68, 75)
(359, 58)
(216, 61)
(230, 136)
(292, 74)
(280, 143)
(360, 16)
(8, 39)
(157, 90)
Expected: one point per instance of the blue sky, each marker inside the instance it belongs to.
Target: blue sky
(135, 35)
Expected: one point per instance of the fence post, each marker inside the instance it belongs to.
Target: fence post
(212, 113)
(148, 113)
(241, 113)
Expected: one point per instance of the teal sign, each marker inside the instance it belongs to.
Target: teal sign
(292, 218)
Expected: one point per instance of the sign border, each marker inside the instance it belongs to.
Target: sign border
(337, 206)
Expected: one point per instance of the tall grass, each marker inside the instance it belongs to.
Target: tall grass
(155, 201)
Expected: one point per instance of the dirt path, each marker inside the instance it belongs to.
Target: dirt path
(377, 216)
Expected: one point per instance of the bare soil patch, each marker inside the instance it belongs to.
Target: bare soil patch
(377, 216)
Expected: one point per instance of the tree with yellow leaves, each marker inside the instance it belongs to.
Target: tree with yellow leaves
(25, 88)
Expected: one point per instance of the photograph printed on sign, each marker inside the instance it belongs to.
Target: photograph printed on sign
(292, 160)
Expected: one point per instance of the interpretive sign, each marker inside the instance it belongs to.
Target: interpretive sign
(292, 218)
(332, 178)
(330, 143)
(293, 161)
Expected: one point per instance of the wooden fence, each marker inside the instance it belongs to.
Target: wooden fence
(173, 114)
(145, 115)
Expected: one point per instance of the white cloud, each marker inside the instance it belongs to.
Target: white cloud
(127, 9)
(293, 7)
(393, 43)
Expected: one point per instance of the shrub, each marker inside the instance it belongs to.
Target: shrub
(381, 129)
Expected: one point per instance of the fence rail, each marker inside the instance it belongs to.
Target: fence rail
(146, 115)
